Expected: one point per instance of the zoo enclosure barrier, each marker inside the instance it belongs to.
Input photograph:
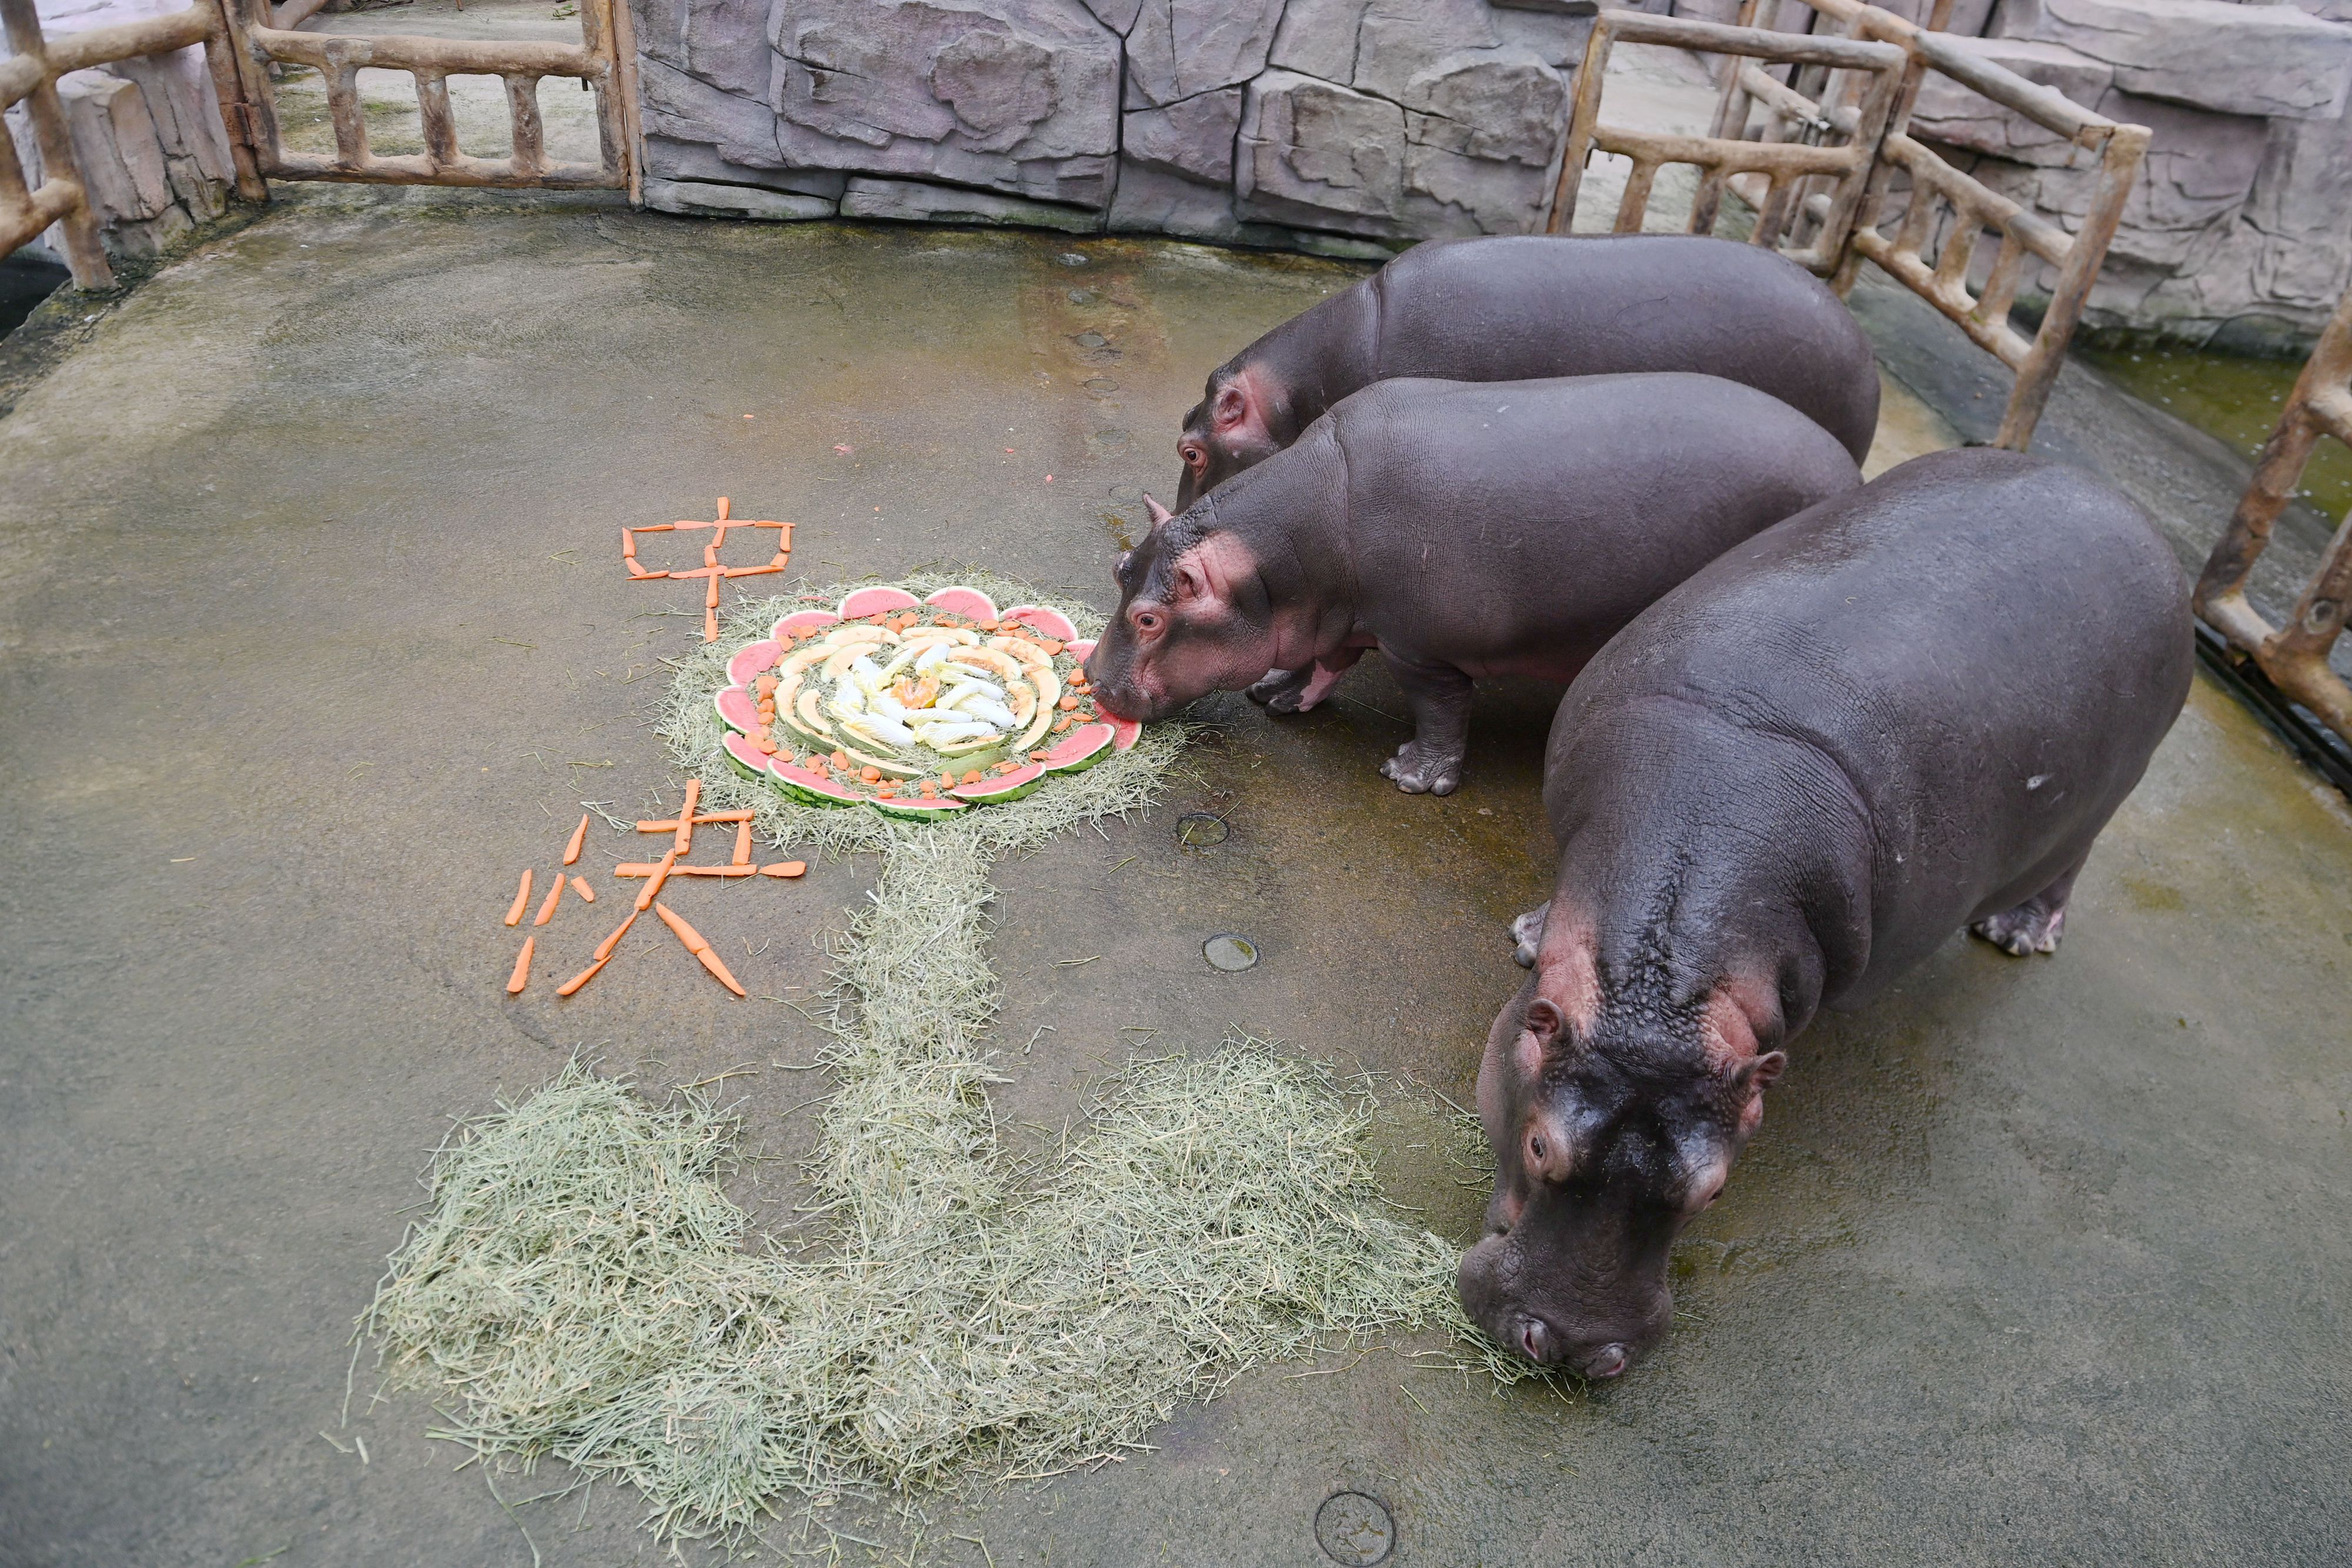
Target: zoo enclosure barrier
(29, 77)
(2293, 656)
(242, 39)
(1821, 165)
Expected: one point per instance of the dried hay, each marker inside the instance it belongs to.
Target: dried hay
(579, 1283)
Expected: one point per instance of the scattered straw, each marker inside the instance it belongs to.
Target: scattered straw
(580, 1287)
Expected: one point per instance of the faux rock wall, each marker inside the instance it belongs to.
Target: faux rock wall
(1335, 125)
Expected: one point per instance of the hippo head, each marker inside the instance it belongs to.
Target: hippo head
(1613, 1122)
(1244, 419)
(1193, 618)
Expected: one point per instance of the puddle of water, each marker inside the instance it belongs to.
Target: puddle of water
(2237, 400)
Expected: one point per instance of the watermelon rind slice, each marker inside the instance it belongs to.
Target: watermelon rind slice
(745, 758)
(1042, 618)
(919, 810)
(736, 709)
(810, 788)
(1123, 732)
(863, 601)
(1081, 649)
(753, 660)
(968, 602)
(1010, 786)
(1080, 750)
(800, 623)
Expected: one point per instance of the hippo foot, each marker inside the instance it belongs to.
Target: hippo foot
(1421, 770)
(2031, 928)
(1280, 691)
(1527, 932)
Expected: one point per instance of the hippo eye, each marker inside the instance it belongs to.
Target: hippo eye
(1146, 620)
(1195, 458)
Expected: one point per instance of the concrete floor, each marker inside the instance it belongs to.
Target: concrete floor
(2032, 1261)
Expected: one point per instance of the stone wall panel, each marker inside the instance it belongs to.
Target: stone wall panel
(1193, 136)
(1179, 48)
(1320, 156)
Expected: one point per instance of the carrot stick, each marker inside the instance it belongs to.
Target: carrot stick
(776, 565)
(698, 948)
(587, 893)
(661, 527)
(722, 508)
(743, 843)
(710, 598)
(604, 948)
(710, 553)
(628, 545)
(523, 899)
(579, 837)
(630, 870)
(785, 868)
(547, 909)
(709, 624)
(685, 839)
(580, 979)
(654, 882)
(521, 976)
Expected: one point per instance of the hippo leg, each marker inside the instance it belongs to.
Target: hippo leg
(1527, 932)
(1298, 691)
(2035, 926)
(1439, 695)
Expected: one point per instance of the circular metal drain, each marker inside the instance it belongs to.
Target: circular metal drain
(1355, 1529)
(1196, 830)
(1229, 952)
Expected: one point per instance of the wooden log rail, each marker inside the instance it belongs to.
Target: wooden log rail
(2293, 656)
(1976, 209)
(338, 59)
(29, 77)
(1779, 169)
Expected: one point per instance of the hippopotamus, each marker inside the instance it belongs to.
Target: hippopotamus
(1463, 529)
(1524, 306)
(1786, 782)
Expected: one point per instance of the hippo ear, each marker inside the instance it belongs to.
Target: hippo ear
(1160, 514)
(1231, 406)
(1762, 1071)
(1540, 1032)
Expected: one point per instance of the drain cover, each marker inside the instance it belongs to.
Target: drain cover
(1229, 952)
(1355, 1529)
(1195, 829)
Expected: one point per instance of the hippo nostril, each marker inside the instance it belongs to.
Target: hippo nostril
(1606, 1362)
(1534, 1341)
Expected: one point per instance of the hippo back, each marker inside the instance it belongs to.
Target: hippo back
(1513, 308)
(1987, 645)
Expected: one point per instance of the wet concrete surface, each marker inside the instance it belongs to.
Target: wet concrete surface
(313, 633)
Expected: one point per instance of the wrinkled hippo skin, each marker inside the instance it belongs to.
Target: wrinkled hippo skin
(1464, 530)
(1907, 710)
(1522, 307)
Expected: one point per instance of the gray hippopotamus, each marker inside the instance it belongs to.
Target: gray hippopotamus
(1789, 779)
(1463, 529)
(1523, 306)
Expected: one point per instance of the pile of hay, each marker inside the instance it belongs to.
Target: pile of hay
(579, 1283)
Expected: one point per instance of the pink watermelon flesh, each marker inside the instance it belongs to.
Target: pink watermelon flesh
(802, 622)
(1037, 617)
(1123, 733)
(800, 778)
(1077, 747)
(751, 660)
(1080, 650)
(968, 602)
(736, 710)
(1000, 785)
(877, 601)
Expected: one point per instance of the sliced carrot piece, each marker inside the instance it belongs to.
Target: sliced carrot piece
(547, 906)
(523, 899)
(870, 775)
(587, 893)
(710, 626)
(604, 948)
(1068, 702)
(521, 976)
(743, 843)
(685, 839)
(579, 837)
(785, 868)
(582, 979)
(654, 882)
